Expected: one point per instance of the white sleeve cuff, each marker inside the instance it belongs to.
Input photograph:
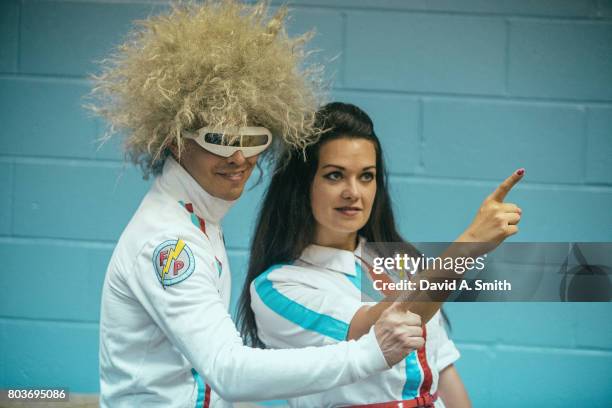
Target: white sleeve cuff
(448, 357)
(371, 359)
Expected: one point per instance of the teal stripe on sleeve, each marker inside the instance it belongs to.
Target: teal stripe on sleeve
(356, 280)
(365, 285)
(201, 388)
(413, 377)
(296, 313)
(194, 218)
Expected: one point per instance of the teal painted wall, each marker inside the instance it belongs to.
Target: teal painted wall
(462, 93)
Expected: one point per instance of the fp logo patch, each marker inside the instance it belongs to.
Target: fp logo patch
(173, 262)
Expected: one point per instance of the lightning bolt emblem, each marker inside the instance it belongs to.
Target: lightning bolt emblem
(173, 255)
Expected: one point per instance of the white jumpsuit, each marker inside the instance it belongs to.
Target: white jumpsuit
(312, 302)
(166, 338)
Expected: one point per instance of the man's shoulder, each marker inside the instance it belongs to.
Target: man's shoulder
(184, 248)
(157, 221)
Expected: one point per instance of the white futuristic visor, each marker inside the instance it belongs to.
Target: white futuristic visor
(249, 140)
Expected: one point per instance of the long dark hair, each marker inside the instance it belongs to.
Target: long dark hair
(286, 226)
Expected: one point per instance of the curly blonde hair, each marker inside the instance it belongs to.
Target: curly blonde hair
(218, 64)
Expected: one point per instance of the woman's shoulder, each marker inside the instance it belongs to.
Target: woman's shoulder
(279, 272)
(285, 273)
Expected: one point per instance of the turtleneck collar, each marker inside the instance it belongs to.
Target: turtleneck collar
(179, 183)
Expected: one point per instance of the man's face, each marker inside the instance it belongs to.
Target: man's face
(221, 177)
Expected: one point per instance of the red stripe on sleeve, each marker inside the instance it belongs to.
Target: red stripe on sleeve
(427, 377)
(207, 397)
(202, 225)
(189, 207)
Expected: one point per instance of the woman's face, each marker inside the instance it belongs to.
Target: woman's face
(343, 189)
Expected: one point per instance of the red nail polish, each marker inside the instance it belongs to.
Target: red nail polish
(520, 171)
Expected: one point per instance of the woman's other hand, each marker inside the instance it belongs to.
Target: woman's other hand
(398, 333)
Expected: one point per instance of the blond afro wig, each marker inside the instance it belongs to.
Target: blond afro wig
(218, 64)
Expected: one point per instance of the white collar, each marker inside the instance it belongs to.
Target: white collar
(334, 259)
(179, 184)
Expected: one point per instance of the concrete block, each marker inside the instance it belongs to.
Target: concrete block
(63, 281)
(549, 324)
(425, 53)
(552, 378)
(239, 264)
(9, 35)
(6, 198)
(437, 210)
(327, 44)
(477, 370)
(560, 8)
(570, 60)
(49, 354)
(599, 145)
(65, 38)
(396, 123)
(44, 117)
(605, 9)
(490, 140)
(75, 200)
(592, 328)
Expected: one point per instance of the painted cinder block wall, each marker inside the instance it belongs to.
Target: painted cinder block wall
(462, 93)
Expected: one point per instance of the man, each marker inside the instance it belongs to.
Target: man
(201, 93)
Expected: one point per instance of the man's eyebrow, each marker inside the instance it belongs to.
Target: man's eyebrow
(342, 168)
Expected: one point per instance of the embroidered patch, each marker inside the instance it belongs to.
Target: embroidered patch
(173, 262)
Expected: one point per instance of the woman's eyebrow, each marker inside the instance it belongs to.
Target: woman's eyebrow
(333, 165)
(342, 168)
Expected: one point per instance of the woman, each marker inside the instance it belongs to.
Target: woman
(303, 284)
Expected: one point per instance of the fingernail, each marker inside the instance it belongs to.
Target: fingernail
(520, 171)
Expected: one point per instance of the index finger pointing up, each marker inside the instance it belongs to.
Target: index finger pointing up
(504, 188)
